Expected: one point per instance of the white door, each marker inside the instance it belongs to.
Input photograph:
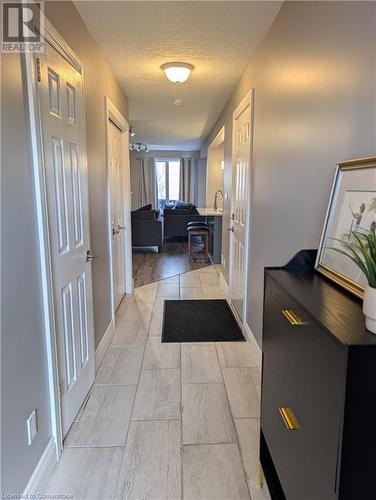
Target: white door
(239, 205)
(117, 211)
(64, 151)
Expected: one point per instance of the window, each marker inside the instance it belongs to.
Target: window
(168, 180)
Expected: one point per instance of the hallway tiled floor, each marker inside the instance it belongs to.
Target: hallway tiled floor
(166, 421)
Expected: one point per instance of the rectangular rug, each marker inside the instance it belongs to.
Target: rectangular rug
(199, 321)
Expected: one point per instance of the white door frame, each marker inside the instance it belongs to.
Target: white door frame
(248, 100)
(113, 114)
(217, 141)
(51, 36)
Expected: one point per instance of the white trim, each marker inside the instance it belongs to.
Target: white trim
(216, 142)
(223, 282)
(218, 139)
(248, 100)
(60, 45)
(256, 351)
(113, 114)
(104, 345)
(42, 472)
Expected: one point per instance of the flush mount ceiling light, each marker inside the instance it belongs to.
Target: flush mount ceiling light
(177, 72)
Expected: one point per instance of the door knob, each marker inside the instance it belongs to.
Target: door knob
(90, 257)
(120, 228)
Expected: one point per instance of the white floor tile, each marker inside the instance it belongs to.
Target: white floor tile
(209, 279)
(173, 280)
(137, 311)
(130, 333)
(199, 364)
(190, 280)
(159, 304)
(145, 295)
(158, 395)
(158, 355)
(168, 290)
(85, 473)
(243, 394)
(248, 430)
(156, 324)
(235, 355)
(105, 419)
(220, 382)
(120, 366)
(258, 493)
(191, 293)
(207, 269)
(213, 472)
(206, 414)
(214, 292)
(151, 466)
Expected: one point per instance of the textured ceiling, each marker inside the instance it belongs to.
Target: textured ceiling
(218, 38)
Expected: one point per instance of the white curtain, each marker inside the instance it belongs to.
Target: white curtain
(148, 183)
(187, 185)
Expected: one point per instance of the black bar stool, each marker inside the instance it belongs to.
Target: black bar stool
(197, 224)
(199, 229)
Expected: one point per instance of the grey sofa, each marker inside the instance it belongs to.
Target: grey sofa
(176, 219)
(147, 229)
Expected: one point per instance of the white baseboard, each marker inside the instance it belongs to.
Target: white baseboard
(104, 344)
(254, 345)
(223, 283)
(42, 472)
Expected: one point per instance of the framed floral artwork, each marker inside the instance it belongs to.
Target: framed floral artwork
(352, 208)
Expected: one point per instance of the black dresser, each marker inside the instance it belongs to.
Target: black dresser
(318, 401)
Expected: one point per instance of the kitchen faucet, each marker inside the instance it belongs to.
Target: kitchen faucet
(219, 191)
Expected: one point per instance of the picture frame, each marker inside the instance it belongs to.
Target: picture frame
(352, 206)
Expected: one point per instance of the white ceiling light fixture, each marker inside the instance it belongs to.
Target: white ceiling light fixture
(177, 72)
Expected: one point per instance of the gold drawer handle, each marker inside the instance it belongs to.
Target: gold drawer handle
(292, 317)
(289, 418)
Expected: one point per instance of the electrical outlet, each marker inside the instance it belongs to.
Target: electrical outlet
(31, 427)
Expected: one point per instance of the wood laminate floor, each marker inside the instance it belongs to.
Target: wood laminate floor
(150, 266)
(166, 421)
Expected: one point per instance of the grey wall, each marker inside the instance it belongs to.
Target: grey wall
(314, 75)
(23, 365)
(99, 82)
(201, 182)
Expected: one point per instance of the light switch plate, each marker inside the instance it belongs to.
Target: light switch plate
(31, 427)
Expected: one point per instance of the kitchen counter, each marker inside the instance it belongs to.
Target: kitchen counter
(213, 219)
(210, 212)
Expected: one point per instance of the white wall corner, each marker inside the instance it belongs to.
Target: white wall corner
(254, 345)
(104, 344)
(42, 472)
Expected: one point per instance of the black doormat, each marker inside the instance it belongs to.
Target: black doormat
(199, 321)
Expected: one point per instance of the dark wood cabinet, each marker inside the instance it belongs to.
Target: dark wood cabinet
(319, 376)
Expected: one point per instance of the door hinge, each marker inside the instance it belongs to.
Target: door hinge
(39, 78)
(59, 389)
